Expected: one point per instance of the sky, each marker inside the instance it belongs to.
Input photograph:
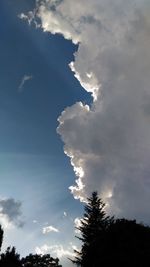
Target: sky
(74, 116)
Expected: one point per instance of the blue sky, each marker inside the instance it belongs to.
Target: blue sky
(33, 168)
(87, 63)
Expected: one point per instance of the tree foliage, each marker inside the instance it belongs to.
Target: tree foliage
(10, 258)
(128, 244)
(35, 260)
(111, 242)
(1, 236)
(93, 227)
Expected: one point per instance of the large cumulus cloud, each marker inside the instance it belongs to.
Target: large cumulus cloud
(109, 142)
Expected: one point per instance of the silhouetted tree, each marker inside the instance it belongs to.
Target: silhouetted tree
(127, 244)
(35, 260)
(1, 236)
(10, 258)
(93, 228)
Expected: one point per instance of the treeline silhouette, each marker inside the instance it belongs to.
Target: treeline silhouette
(106, 242)
(10, 258)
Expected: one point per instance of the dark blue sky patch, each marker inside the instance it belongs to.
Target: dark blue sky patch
(34, 168)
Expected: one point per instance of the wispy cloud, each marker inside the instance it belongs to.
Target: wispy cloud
(65, 214)
(58, 250)
(29, 17)
(49, 229)
(24, 79)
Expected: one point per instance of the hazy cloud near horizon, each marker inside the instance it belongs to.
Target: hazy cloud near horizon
(10, 213)
(109, 142)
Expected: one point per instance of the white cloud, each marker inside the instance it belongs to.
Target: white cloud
(49, 229)
(56, 250)
(4, 221)
(25, 78)
(77, 223)
(65, 214)
(29, 17)
(109, 142)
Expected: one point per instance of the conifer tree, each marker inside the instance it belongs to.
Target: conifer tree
(93, 227)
